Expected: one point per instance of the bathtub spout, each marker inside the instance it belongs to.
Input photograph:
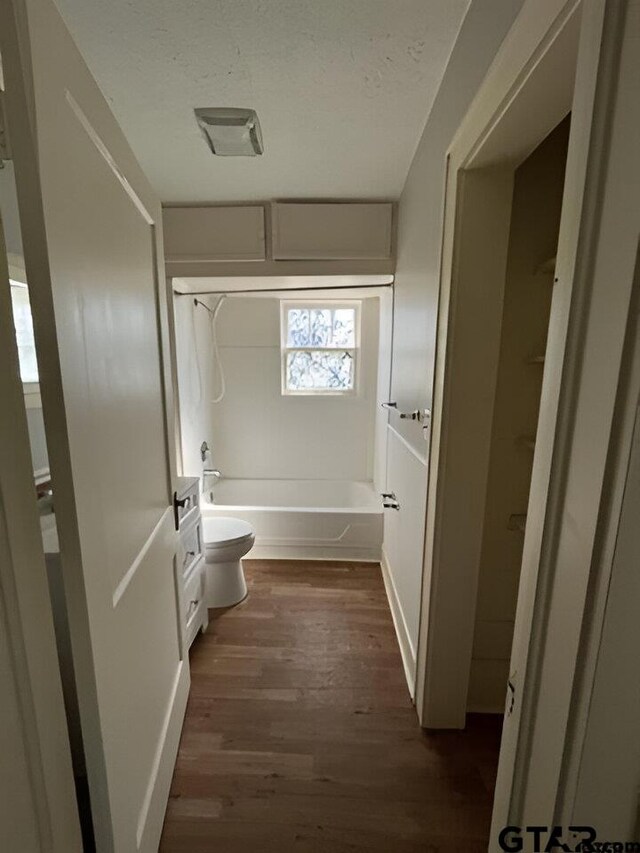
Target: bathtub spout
(210, 476)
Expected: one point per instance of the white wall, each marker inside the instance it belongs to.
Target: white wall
(417, 283)
(420, 208)
(259, 433)
(385, 337)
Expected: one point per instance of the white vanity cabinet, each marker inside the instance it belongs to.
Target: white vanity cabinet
(191, 558)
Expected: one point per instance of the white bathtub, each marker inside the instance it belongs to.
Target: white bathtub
(304, 519)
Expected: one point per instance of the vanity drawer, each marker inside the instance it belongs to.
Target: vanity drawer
(192, 545)
(192, 592)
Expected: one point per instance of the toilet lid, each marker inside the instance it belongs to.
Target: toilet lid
(219, 531)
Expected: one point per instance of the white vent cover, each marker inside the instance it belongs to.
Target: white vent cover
(230, 131)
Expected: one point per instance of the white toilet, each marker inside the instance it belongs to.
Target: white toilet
(226, 542)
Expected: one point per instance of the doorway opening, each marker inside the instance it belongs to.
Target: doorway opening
(515, 189)
(279, 415)
(498, 231)
(529, 281)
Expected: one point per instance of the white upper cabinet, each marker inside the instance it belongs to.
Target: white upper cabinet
(312, 233)
(327, 231)
(214, 233)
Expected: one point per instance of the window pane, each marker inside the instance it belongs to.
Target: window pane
(320, 327)
(319, 371)
(298, 327)
(24, 333)
(344, 327)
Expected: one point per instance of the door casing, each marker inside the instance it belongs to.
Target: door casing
(559, 56)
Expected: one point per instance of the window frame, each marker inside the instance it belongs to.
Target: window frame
(355, 350)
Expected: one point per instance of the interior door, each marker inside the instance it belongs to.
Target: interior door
(93, 252)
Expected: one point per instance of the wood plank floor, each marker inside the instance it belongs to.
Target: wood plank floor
(300, 734)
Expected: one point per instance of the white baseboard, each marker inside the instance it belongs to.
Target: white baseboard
(407, 649)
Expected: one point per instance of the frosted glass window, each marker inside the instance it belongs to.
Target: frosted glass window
(24, 333)
(344, 327)
(320, 345)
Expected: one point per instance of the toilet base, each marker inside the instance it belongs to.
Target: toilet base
(224, 583)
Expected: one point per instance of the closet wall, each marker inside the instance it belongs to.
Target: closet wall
(537, 201)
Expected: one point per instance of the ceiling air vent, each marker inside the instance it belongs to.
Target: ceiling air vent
(230, 132)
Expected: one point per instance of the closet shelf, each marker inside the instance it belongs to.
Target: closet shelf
(547, 267)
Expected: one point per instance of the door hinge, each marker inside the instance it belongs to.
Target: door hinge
(5, 142)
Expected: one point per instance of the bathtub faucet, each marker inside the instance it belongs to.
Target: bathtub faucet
(210, 477)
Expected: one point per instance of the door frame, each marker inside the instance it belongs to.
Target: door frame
(33, 680)
(481, 162)
(596, 442)
(527, 92)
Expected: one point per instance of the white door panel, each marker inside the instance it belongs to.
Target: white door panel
(105, 309)
(92, 246)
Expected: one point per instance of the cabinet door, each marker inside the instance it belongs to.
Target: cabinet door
(347, 231)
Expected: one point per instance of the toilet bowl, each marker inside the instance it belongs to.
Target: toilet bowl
(226, 542)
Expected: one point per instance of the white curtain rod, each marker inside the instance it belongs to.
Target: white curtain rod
(281, 289)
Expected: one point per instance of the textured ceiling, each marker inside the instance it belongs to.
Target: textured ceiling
(342, 88)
